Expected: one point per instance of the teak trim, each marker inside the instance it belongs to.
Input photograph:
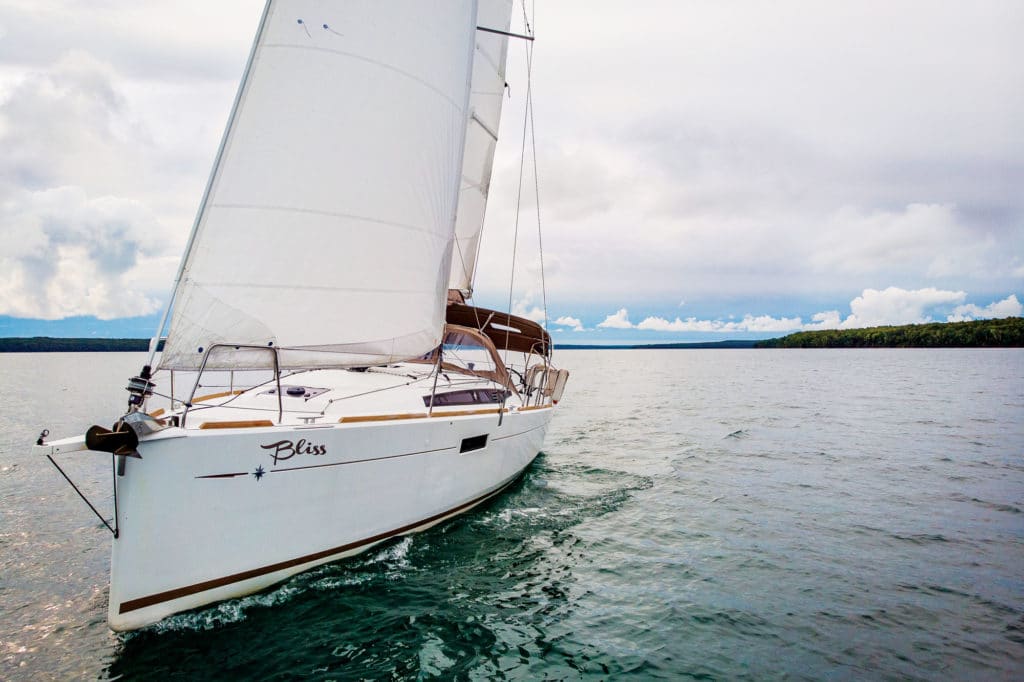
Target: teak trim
(236, 425)
(212, 396)
(463, 413)
(382, 417)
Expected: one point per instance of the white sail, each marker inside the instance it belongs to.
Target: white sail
(481, 137)
(327, 227)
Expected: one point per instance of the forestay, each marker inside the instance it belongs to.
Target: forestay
(327, 228)
(488, 92)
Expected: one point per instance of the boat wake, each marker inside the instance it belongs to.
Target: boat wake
(391, 560)
(222, 613)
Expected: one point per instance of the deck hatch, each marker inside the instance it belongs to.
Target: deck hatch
(288, 391)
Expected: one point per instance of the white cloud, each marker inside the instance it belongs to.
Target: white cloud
(767, 323)
(68, 124)
(749, 323)
(873, 308)
(183, 40)
(572, 322)
(691, 324)
(66, 254)
(1008, 307)
(828, 319)
(894, 305)
(930, 239)
(79, 214)
(619, 320)
(524, 308)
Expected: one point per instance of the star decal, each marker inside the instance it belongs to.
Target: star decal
(259, 472)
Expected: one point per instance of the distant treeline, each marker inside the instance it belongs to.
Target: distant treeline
(652, 346)
(1007, 332)
(47, 344)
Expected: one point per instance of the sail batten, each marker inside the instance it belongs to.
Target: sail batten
(327, 228)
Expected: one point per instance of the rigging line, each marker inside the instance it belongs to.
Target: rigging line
(243, 408)
(84, 498)
(519, 200)
(376, 390)
(526, 21)
(462, 258)
(437, 375)
(515, 238)
(536, 180)
(476, 315)
(234, 397)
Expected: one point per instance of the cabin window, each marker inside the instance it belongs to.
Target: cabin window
(474, 396)
(463, 350)
(474, 443)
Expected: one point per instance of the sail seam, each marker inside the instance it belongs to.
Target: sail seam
(375, 62)
(309, 287)
(332, 214)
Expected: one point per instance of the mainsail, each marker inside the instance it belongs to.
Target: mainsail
(485, 101)
(327, 227)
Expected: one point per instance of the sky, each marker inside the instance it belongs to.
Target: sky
(706, 170)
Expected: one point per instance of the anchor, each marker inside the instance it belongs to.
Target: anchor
(121, 440)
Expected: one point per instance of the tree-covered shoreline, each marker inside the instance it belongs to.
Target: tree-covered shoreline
(1007, 332)
(1004, 333)
(49, 344)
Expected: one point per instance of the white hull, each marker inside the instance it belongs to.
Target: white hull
(208, 515)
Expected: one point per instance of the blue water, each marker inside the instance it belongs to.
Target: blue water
(719, 514)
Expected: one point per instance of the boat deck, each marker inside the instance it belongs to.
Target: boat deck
(325, 396)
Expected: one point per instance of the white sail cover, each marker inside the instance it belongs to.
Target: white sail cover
(327, 228)
(485, 101)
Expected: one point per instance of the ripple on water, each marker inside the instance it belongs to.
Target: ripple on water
(485, 592)
(760, 515)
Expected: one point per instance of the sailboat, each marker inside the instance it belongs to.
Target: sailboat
(328, 384)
